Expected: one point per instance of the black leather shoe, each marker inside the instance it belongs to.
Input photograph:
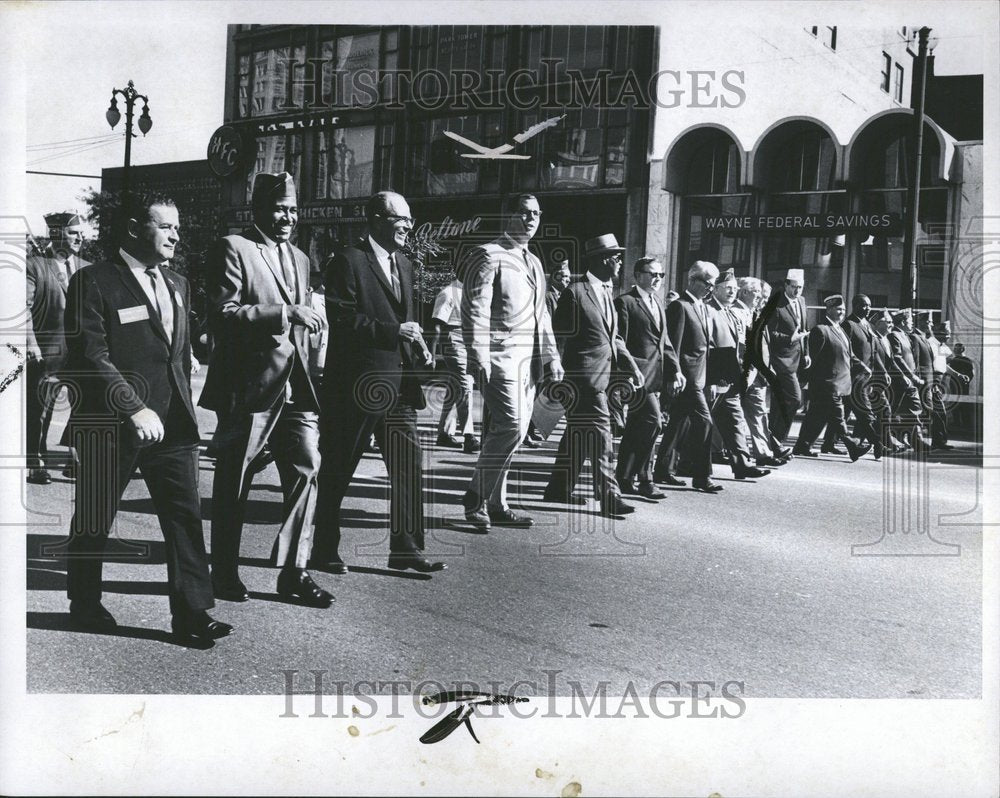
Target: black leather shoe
(671, 480)
(505, 517)
(199, 625)
(414, 562)
(825, 449)
(449, 441)
(296, 584)
(858, 451)
(230, 589)
(330, 565)
(91, 615)
(942, 447)
(707, 486)
(648, 490)
(783, 452)
(263, 459)
(773, 462)
(529, 443)
(799, 451)
(471, 445)
(613, 505)
(751, 473)
(39, 476)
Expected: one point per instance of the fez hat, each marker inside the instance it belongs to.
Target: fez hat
(272, 187)
(905, 313)
(56, 221)
(920, 315)
(601, 245)
(833, 301)
(796, 274)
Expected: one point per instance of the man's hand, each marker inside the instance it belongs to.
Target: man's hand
(679, 383)
(147, 425)
(427, 354)
(411, 331)
(556, 372)
(195, 365)
(33, 353)
(638, 378)
(808, 361)
(305, 316)
(798, 335)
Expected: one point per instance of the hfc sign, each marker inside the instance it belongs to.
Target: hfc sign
(225, 151)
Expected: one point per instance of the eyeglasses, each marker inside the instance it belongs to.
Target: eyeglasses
(709, 281)
(409, 220)
(529, 214)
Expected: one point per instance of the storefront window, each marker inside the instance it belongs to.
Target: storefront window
(344, 162)
(447, 171)
(270, 81)
(244, 86)
(350, 67)
(281, 153)
(578, 47)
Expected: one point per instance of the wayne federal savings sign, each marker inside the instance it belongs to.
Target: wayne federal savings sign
(809, 224)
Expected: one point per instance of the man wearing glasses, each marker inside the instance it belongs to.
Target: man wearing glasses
(371, 385)
(786, 326)
(643, 326)
(508, 335)
(689, 326)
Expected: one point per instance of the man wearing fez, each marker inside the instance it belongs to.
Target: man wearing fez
(907, 383)
(48, 276)
(725, 371)
(260, 312)
(643, 327)
(785, 318)
(861, 336)
(371, 385)
(130, 357)
(689, 326)
(829, 382)
(925, 351)
(508, 334)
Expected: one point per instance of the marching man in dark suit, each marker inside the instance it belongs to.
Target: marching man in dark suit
(785, 317)
(48, 275)
(259, 382)
(586, 328)
(130, 359)
(689, 326)
(643, 326)
(829, 382)
(862, 339)
(371, 385)
(924, 346)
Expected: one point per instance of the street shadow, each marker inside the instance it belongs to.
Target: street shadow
(61, 622)
(365, 569)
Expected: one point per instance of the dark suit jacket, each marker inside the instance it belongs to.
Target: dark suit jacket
(923, 356)
(728, 345)
(552, 299)
(830, 371)
(590, 349)
(785, 355)
(862, 339)
(364, 318)
(254, 349)
(690, 337)
(46, 296)
(646, 339)
(120, 358)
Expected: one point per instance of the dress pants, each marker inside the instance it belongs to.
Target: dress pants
(345, 435)
(509, 399)
(859, 402)
(642, 427)
(41, 391)
(825, 409)
(108, 456)
(458, 395)
(691, 423)
(786, 398)
(293, 436)
(755, 406)
(934, 406)
(906, 407)
(727, 415)
(587, 436)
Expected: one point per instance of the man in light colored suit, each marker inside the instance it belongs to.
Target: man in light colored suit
(258, 287)
(785, 317)
(47, 276)
(508, 334)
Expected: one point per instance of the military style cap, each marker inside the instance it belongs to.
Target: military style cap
(273, 187)
(905, 313)
(920, 315)
(62, 219)
(833, 301)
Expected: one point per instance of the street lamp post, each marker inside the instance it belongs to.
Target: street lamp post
(908, 288)
(113, 115)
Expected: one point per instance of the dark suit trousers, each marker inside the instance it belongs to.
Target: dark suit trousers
(859, 402)
(294, 441)
(108, 455)
(825, 409)
(642, 428)
(786, 397)
(587, 436)
(346, 431)
(39, 399)
(934, 405)
(727, 414)
(690, 422)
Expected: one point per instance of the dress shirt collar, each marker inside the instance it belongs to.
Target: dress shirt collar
(135, 265)
(645, 295)
(694, 298)
(381, 253)
(269, 242)
(598, 284)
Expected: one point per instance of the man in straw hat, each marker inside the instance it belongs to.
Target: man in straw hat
(258, 288)
(47, 276)
(508, 334)
(785, 317)
(586, 327)
(829, 382)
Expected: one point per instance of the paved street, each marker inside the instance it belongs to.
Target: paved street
(758, 584)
